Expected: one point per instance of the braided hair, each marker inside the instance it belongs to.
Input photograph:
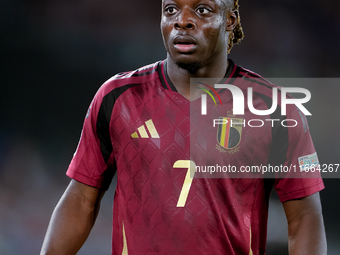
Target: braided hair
(237, 34)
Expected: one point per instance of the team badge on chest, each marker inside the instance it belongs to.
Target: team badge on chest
(229, 132)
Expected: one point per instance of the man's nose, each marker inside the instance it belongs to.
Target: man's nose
(185, 20)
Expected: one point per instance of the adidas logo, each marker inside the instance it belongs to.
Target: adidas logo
(143, 133)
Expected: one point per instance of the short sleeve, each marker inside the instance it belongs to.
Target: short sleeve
(298, 183)
(93, 163)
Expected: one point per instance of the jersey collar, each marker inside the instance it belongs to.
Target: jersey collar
(229, 77)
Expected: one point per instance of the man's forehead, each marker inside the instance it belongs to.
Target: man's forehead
(226, 3)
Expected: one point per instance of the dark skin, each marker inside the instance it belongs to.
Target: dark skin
(306, 231)
(206, 24)
(72, 219)
(194, 31)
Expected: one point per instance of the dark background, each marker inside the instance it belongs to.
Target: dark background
(55, 55)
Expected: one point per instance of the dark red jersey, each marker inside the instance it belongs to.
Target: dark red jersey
(140, 128)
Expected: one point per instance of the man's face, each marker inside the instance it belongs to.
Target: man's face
(194, 31)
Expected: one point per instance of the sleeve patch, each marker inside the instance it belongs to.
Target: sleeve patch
(308, 161)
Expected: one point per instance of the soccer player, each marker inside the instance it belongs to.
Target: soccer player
(138, 127)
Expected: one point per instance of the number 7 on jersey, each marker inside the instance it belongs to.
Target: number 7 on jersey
(191, 166)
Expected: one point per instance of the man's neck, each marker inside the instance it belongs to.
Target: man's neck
(181, 77)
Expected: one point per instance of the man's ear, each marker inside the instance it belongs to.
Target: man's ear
(232, 19)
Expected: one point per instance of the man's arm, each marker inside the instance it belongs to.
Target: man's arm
(72, 219)
(306, 229)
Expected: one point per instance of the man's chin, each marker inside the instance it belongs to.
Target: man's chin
(191, 67)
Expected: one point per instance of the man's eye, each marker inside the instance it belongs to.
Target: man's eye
(202, 10)
(171, 10)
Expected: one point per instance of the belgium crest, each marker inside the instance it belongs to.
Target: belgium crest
(229, 132)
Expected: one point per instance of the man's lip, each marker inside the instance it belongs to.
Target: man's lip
(184, 40)
(185, 48)
(184, 44)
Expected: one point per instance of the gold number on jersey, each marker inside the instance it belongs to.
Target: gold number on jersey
(191, 166)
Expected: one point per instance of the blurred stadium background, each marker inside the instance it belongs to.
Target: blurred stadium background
(55, 55)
